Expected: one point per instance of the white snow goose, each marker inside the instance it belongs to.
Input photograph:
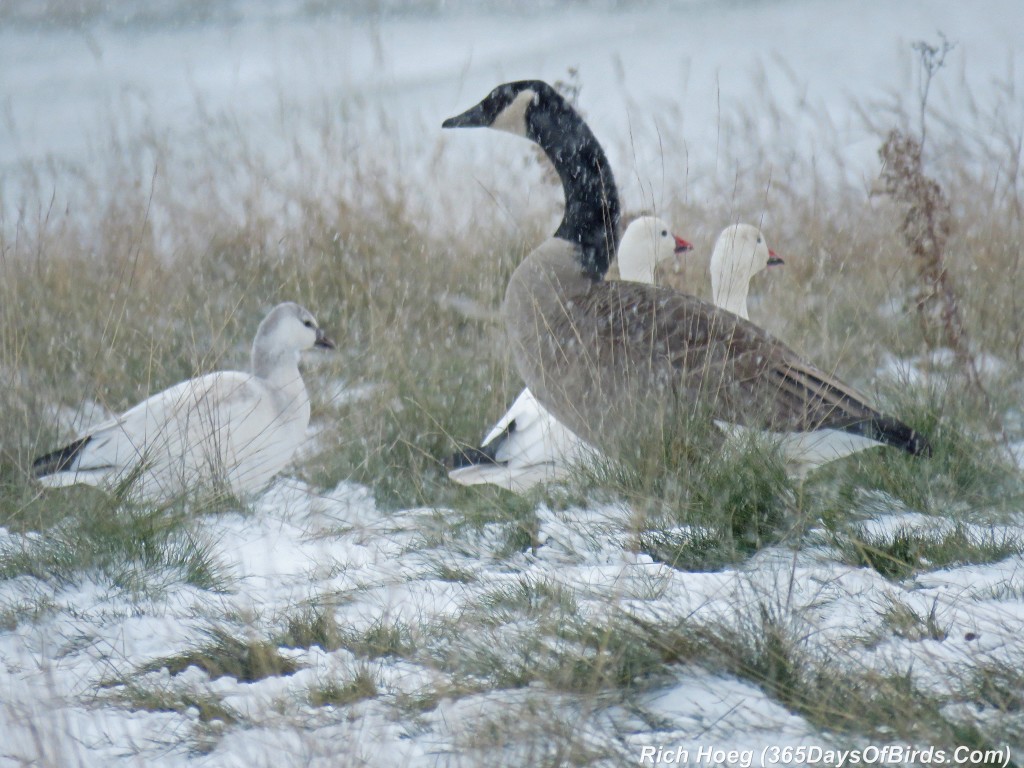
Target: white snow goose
(528, 445)
(228, 429)
(740, 253)
(582, 343)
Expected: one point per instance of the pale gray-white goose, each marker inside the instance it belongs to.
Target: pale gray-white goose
(228, 429)
(740, 253)
(582, 343)
(528, 445)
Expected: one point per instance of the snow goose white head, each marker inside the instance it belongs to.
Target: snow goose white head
(647, 242)
(740, 253)
(284, 333)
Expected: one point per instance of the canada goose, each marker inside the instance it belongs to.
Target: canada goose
(235, 428)
(581, 343)
(528, 445)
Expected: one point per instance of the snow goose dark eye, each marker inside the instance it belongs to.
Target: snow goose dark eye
(664, 233)
(308, 323)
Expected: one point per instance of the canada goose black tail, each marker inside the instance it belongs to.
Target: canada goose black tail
(892, 432)
(59, 460)
(482, 456)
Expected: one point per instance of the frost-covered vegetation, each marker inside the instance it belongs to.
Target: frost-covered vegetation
(365, 607)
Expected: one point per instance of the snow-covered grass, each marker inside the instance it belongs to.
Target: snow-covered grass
(365, 611)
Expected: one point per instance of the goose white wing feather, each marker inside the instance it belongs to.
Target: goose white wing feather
(228, 426)
(526, 447)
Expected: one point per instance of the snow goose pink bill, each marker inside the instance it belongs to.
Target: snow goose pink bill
(583, 344)
(528, 445)
(228, 430)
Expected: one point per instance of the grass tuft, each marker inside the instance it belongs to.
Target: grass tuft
(907, 551)
(969, 472)
(224, 655)
(699, 504)
(316, 626)
(342, 693)
(211, 715)
(862, 703)
(907, 623)
(140, 549)
(208, 707)
(999, 686)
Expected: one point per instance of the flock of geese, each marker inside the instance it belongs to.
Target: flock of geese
(603, 360)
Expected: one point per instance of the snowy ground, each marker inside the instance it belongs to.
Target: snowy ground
(300, 547)
(647, 71)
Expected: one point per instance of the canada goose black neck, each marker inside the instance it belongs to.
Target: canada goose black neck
(534, 109)
(591, 198)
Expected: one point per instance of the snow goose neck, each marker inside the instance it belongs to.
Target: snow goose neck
(232, 428)
(740, 253)
(528, 445)
(581, 343)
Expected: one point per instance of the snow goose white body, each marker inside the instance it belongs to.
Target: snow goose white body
(228, 429)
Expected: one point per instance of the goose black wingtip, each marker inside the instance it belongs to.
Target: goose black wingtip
(919, 445)
(60, 459)
(485, 455)
(470, 457)
(894, 433)
(899, 435)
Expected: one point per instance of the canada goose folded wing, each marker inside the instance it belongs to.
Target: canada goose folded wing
(645, 341)
(829, 403)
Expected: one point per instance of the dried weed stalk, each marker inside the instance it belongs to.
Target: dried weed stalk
(931, 58)
(926, 227)
(927, 223)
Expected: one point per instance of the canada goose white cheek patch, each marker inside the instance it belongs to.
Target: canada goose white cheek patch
(512, 118)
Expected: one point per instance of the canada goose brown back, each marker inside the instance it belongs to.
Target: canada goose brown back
(528, 445)
(581, 345)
